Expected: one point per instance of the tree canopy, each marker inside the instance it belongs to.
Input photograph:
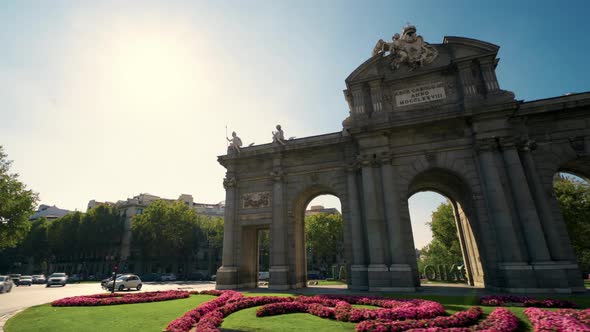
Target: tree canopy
(171, 229)
(444, 248)
(324, 239)
(573, 197)
(17, 204)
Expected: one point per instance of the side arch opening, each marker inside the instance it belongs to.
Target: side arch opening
(454, 249)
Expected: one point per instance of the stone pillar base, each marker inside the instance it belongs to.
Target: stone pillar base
(227, 278)
(358, 278)
(401, 276)
(379, 277)
(560, 276)
(278, 278)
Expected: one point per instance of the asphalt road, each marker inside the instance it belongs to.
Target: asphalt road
(27, 296)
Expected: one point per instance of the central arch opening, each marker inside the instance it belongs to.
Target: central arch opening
(442, 217)
(319, 240)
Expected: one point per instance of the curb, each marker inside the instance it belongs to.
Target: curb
(4, 318)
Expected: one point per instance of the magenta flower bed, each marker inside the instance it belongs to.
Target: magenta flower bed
(393, 314)
(117, 298)
(501, 300)
(561, 320)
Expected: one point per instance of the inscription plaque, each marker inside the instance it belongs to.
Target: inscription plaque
(420, 94)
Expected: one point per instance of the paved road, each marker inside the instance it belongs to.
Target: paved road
(26, 296)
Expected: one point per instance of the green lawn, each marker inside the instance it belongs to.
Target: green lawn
(129, 317)
(155, 316)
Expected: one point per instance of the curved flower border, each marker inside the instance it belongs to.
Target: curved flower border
(393, 315)
(502, 300)
(117, 298)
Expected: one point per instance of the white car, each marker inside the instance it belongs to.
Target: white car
(125, 281)
(59, 278)
(5, 284)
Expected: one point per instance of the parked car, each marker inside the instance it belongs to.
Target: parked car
(126, 281)
(39, 279)
(5, 284)
(168, 277)
(15, 278)
(74, 278)
(151, 277)
(263, 275)
(213, 277)
(58, 278)
(25, 281)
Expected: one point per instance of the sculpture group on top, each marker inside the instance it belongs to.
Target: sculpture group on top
(409, 48)
(235, 143)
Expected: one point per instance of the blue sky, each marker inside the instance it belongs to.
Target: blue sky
(106, 99)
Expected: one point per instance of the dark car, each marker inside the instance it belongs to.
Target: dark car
(25, 281)
(15, 278)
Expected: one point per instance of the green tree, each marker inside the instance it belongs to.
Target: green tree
(324, 239)
(573, 197)
(444, 248)
(211, 229)
(166, 229)
(17, 204)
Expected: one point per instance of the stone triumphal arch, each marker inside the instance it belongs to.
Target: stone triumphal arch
(422, 117)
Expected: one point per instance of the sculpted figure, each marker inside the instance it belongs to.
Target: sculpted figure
(278, 136)
(235, 143)
(409, 48)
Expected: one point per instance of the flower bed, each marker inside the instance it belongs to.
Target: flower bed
(504, 300)
(117, 298)
(560, 320)
(393, 314)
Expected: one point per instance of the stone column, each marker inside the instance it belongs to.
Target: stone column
(398, 235)
(278, 260)
(558, 251)
(527, 212)
(227, 274)
(377, 270)
(517, 274)
(359, 264)
(496, 202)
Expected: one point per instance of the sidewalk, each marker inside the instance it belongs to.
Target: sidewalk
(5, 317)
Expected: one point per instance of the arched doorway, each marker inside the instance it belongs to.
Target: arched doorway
(445, 187)
(318, 205)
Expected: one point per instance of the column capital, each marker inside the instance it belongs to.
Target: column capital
(277, 175)
(528, 145)
(352, 167)
(508, 142)
(366, 161)
(229, 182)
(385, 158)
(486, 144)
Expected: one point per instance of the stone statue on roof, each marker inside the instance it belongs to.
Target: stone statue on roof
(235, 143)
(408, 48)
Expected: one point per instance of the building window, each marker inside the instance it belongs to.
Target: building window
(139, 211)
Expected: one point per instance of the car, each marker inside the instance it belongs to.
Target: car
(25, 281)
(125, 281)
(74, 278)
(168, 277)
(213, 277)
(5, 284)
(263, 275)
(15, 278)
(58, 278)
(39, 279)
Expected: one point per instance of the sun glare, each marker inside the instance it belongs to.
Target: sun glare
(153, 69)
